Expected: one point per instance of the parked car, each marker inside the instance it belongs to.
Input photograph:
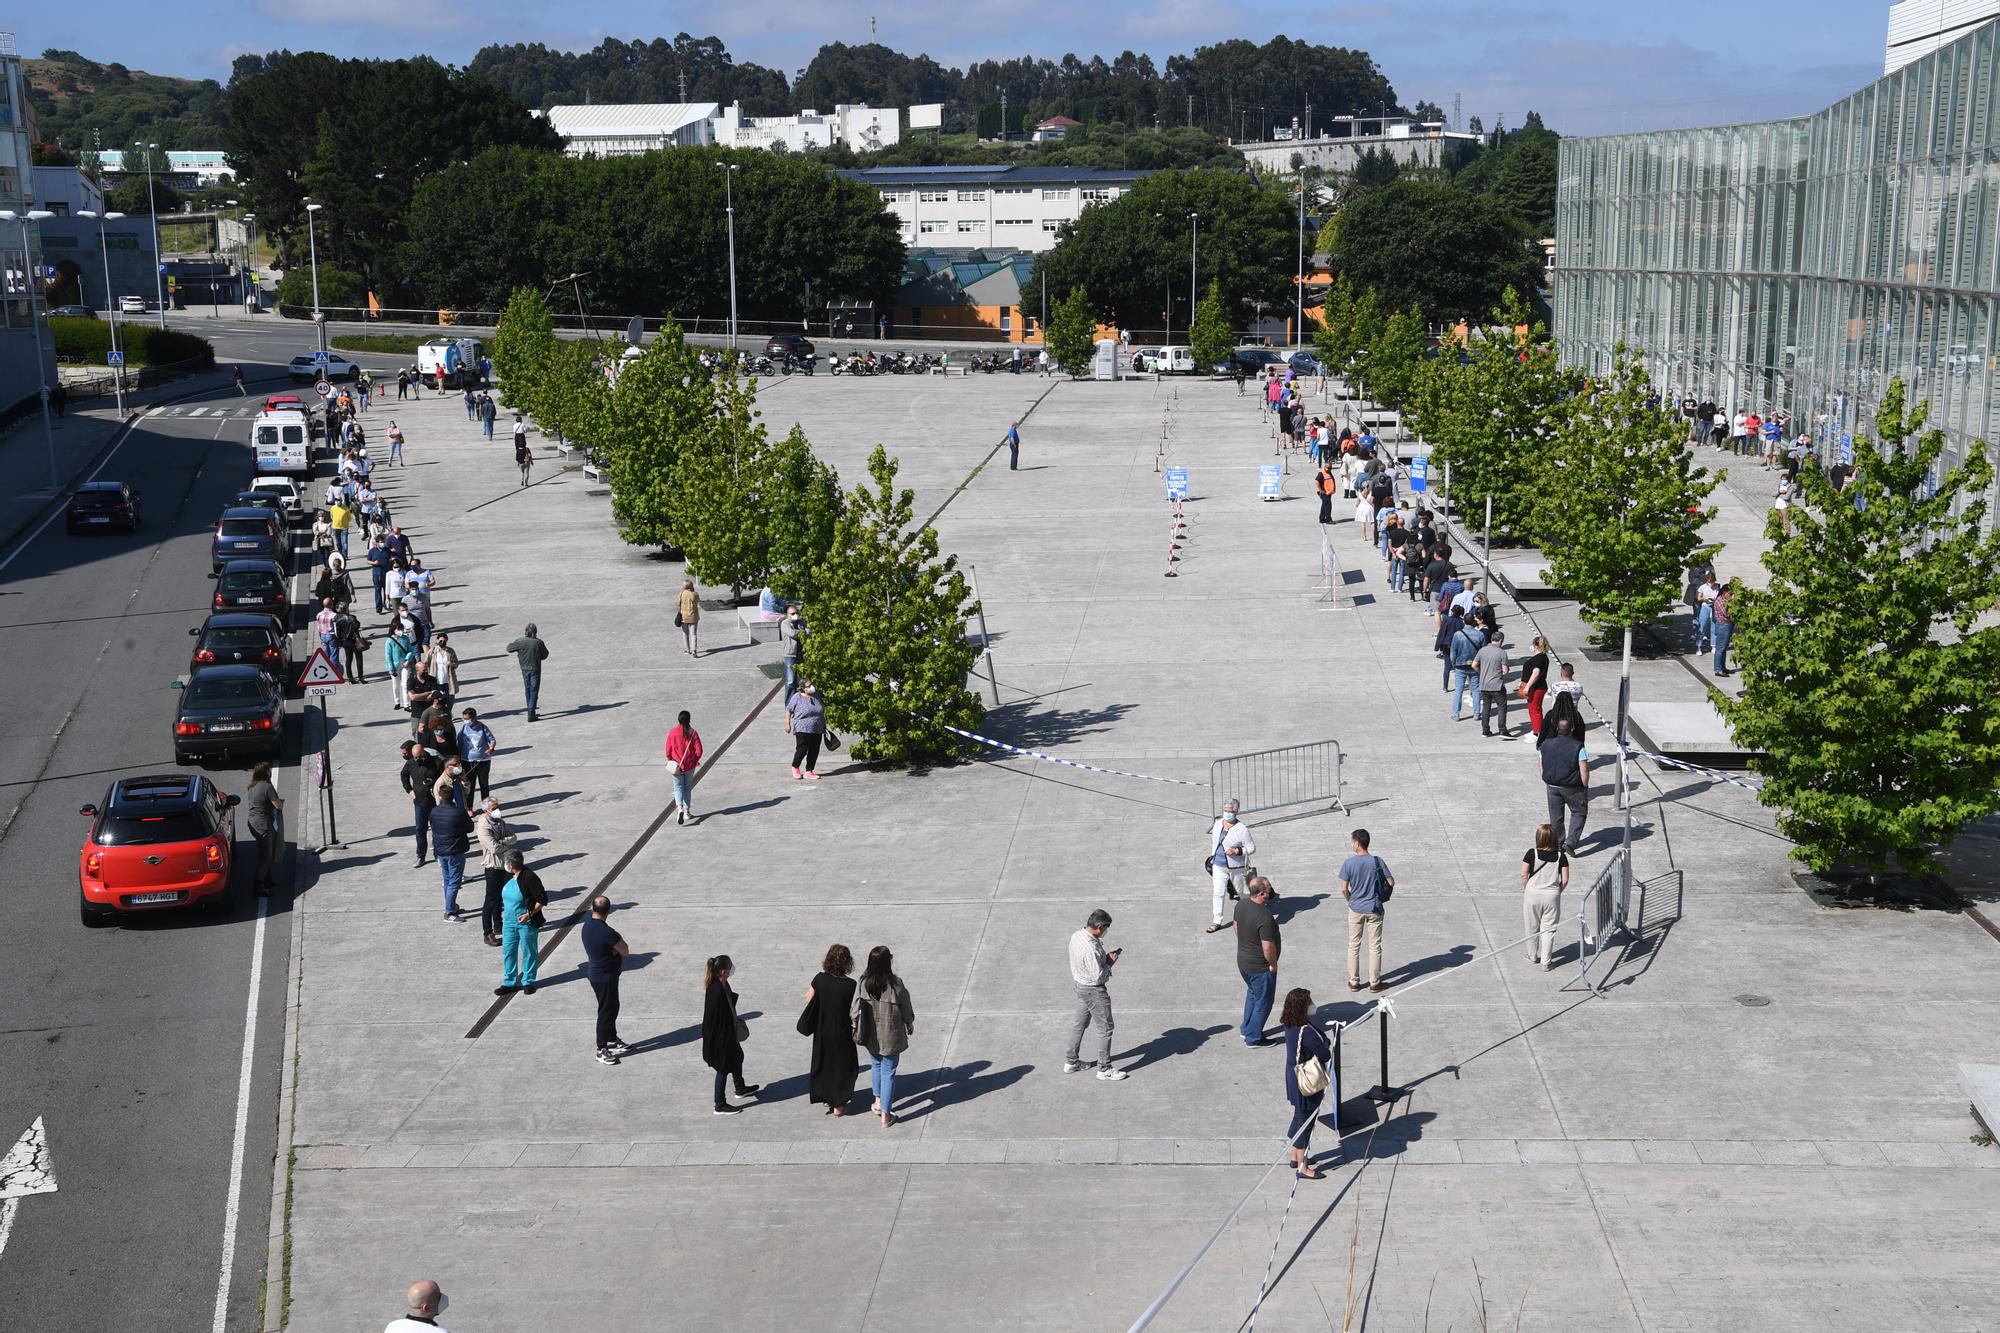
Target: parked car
(272, 504)
(98, 505)
(781, 345)
(248, 533)
(131, 305)
(243, 638)
(166, 840)
(252, 585)
(1304, 363)
(290, 499)
(306, 368)
(72, 312)
(227, 711)
(1252, 361)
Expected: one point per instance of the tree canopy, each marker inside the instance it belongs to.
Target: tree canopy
(80, 103)
(1131, 255)
(1448, 250)
(650, 232)
(620, 71)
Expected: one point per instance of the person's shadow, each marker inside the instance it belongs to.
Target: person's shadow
(1285, 906)
(953, 1084)
(1423, 967)
(1174, 1041)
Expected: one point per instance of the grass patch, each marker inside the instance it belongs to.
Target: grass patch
(398, 344)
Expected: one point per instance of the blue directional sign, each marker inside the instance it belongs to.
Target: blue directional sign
(1177, 483)
(1270, 482)
(114, 358)
(1420, 473)
(1847, 448)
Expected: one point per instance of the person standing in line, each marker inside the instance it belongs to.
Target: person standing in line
(1566, 779)
(476, 743)
(378, 569)
(1724, 627)
(522, 898)
(1257, 947)
(805, 719)
(687, 614)
(530, 652)
(264, 813)
(419, 774)
(396, 658)
(829, 1001)
(524, 457)
(1303, 1042)
(395, 434)
(487, 412)
(1323, 482)
(341, 518)
(353, 648)
(1704, 615)
(426, 1301)
(1544, 876)
(722, 1033)
(1090, 969)
(1365, 885)
(451, 838)
(793, 631)
(883, 1020)
(1014, 447)
(444, 663)
(1535, 683)
(496, 839)
(402, 384)
(1463, 645)
(471, 402)
(1230, 848)
(1490, 663)
(683, 758)
(604, 953)
(520, 433)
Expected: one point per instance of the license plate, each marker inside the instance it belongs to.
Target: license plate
(141, 898)
(243, 546)
(97, 520)
(225, 726)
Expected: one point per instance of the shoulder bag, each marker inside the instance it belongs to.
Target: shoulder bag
(1311, 1073)
(742, 1028)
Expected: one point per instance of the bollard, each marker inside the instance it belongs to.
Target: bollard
(1384, 1091)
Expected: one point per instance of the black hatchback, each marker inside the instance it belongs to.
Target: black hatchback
(229, 710)
(252, 585)
(244, 533)
(788, 344)
(98, 506)
(243, 638)
(272, 503)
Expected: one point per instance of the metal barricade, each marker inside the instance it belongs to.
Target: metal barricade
(1601, 919)
(1290, 775)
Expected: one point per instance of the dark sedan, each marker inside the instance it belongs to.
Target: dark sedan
(252, 585)
(243, 638)
(781, 345)
(248, 533)
(271, 502)
(226, 711)
(97, 505)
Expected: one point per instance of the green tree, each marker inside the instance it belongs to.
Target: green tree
(1494, 417)
(1620, 514)
(1450, 251)
(571, 397)
(1364, 332)
(1374, 169)
(1211, 340)
(339, 289)
(1333, 341)
(664, 399)
(1868, 678)
(524, 342)
(1070, 331)
(1396, 357)
(888, 648)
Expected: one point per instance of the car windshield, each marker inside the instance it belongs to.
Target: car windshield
(232, 692)
(246, 580)
(98, 499)
(135, 830)
(237, 636)
(246, 527)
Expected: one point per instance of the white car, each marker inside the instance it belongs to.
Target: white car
(286, 490)
(306, 368)
(131, 305)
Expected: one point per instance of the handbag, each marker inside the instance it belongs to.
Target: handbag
(808, 1022)
(832, 741)
(678, 622)
(1312, 1076)
(742, 1031)
(864, 1020)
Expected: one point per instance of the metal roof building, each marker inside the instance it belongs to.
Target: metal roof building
(1008, 206)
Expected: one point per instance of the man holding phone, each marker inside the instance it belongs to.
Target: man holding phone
(1090, 968)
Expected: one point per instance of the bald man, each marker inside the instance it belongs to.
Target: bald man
(427, 1302)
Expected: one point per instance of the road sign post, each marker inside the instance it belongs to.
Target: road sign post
(114, 358)
(321, 678)
(1177, 483)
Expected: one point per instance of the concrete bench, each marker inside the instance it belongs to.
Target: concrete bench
(754, 624)
(1691, 732)
(1982, 1085)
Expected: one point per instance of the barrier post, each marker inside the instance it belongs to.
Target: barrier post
(984, 641)
(1384, 1091)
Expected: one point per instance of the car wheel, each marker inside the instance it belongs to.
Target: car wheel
(93, 917)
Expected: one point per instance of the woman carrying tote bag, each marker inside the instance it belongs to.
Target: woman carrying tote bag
(1307, 1058)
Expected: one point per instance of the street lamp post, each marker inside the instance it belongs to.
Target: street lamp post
(312, 243)
(153, 212)
(728, 170)
(1194, 240)
(249, 258)
(33, 271)
(110, 301)
(1299, 314)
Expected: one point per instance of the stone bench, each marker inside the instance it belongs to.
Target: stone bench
(757, 626)
(1693, 733)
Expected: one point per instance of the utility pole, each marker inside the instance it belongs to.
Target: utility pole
(1190, 98)
(684, 86)
(1194, 241)
(1299, 319)
(1003, 115)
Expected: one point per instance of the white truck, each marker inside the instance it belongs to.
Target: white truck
(283, 444)
(459, 357)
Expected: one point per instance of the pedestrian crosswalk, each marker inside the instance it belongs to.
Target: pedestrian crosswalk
(249, 407)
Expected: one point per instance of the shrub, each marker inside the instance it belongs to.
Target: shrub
(397, 344)
(89, 340)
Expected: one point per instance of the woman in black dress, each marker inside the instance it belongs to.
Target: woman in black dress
(835, 1062)
(722, 1033)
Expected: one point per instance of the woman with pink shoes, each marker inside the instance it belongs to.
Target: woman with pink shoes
(805, 718)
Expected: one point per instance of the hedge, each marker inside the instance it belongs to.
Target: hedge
(397, 344)
(89, 340)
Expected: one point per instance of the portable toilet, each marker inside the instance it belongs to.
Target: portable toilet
(1104, 365)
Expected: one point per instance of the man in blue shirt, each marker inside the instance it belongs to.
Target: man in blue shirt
(604, 951)
(1365, 882)
(475, 747)
(1014, 447)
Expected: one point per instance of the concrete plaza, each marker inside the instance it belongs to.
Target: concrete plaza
(1758, 1126)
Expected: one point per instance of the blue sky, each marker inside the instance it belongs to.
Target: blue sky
(1587, 67)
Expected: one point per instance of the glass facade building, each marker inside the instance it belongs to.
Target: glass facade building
(1797, 265)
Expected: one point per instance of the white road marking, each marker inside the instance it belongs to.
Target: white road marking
(25, 1170)
(233, 1207)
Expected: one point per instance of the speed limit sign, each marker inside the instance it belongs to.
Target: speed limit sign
(323, 389)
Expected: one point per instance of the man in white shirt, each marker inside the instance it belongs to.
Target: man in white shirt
(1090, 968)
(427, 1302)
(1704, 615)
(1230, 848)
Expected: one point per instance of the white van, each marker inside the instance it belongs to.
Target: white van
(1171, 361)
(458, 356)
(283, 444)
(290, 497)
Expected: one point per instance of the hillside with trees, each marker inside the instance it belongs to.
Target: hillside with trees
(74, 96)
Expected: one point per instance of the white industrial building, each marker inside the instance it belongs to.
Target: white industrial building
(625, 130)
(1919, 27)
(1009, 207)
